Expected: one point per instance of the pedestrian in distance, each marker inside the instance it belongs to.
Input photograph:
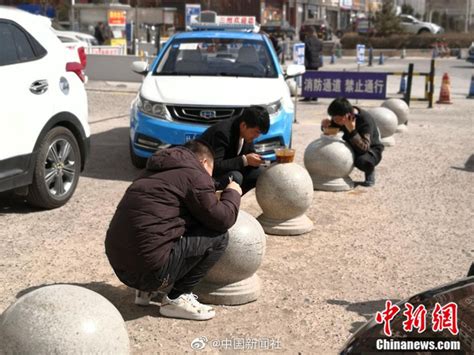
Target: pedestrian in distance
(99, 33)
(170, 228)
(313, 48)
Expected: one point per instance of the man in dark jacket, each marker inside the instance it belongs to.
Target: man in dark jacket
(361, 132)
(313, 48)
(170, 229)
(232, 142)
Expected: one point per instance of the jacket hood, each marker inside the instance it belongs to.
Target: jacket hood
(173, 158)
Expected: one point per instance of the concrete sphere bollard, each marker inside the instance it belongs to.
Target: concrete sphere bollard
(62, 319)
(284, 192)
(387, 123)
(232, 280)
(329, 161)
(401, 109)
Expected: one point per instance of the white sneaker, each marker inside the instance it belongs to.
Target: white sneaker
(143, 298)
(186, 306)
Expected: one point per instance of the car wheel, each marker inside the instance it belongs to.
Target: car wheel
(56, 171)
(424, 31)
(137, 161)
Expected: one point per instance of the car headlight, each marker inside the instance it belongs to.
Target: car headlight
(154, 109)
(274, 108)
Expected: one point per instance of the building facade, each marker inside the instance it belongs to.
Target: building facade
(339, 13)
(458, 16)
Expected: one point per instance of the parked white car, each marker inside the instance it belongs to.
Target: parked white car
(411, 24)
(84, 39)
(74, 47)
(87, 39)
(44, 133)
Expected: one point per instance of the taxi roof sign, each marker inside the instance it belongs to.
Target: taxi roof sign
(228, 23)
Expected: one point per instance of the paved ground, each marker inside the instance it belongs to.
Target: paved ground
(412, 231)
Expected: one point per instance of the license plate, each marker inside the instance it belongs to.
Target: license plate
(189, 137)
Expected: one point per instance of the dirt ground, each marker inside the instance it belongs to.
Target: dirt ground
(409, 233)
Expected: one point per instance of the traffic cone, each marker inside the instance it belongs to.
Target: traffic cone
(471, 90)
(381, 59)
(403, 84)
(445, 93)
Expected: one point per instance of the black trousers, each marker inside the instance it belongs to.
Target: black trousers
(191, 257)
(247, 178)
(368, 161)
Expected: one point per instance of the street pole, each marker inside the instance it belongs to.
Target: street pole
(136, 39)
(72, 19)
(468, 16)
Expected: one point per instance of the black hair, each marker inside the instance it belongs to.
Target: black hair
(340, 107)
(201, 148)
(256, 116)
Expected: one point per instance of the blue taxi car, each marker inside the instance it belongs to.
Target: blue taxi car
(202, 77)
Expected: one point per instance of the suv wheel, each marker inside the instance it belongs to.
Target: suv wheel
(137, 161)
(56, 170)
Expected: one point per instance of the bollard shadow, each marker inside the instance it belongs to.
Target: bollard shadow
(110, 156)
(122, 297)
(468, 165)
(365, 309)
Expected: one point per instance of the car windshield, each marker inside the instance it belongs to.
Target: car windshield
(217, 57)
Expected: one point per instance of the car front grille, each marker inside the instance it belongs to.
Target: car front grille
(203, 114)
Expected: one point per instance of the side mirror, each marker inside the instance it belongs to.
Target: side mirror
(140, 68)
(295, 70)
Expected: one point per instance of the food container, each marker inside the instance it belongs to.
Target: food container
(285, 155)
(331, 131)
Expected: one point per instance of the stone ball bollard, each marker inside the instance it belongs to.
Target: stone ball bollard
(329, 161)
(232, 280)
(401, 109)
(387, 123)
(63, 319)
(284, 191)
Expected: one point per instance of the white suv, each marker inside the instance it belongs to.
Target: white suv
(44, 133)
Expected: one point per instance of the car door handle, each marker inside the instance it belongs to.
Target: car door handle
(39, 87)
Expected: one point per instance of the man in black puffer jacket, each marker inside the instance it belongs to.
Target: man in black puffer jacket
(170, 229)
